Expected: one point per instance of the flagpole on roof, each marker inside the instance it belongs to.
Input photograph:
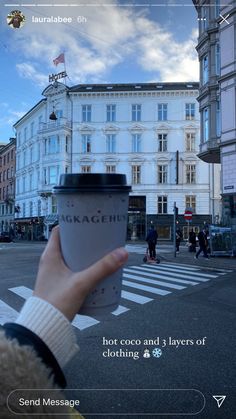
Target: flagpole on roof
(65, 66)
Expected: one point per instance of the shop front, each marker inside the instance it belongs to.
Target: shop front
(136, 218)
(29, 228)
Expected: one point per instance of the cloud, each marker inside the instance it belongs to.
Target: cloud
(160, 52)
(111, 36)
(28, 71)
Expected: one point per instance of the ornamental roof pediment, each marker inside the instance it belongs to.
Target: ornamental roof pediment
(162, 127)
(110, 128)
(111, 160)
(86, 128)
(190, 127)
(137, 159)
(137, 127)
(86, 160)
(163, 158)
(54, 89)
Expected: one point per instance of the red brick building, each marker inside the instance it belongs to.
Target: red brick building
(7, 185)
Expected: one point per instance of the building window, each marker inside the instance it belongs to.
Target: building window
(3, 192)
(86, 169)
(189, 111)
(190, 202)
(86, 113)
(162, 173)
(52, 175)
(110, 168)
(54, 205)
(217, 58)
(31, 154)
(162, 204)
(190, 173)
(23, 209)
(38, 151)
(31, 182)
(39, 208)
(0, 194)
(218, 118)
(136, 143)
(59, 113)
(162, 142)
(67, 145)
(110, 143)
(204, 16)
(162, 112)
(24, 184)
(31, 209)
(32, 129)
(40, 120)
(190, 141)
(136, 113)
(12, 154)
(4, 175)
(8, 157)
(86, 143)
(25, 133)
(52, 145)
(205, 69)
(217, 8)
(24, 158)
(111, 113)
(19, 139)
(136, 175)
(8, 173)
(205, 124)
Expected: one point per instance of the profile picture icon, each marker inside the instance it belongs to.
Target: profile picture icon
(15, 19)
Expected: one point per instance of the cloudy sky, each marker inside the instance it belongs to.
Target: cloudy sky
(115, 41)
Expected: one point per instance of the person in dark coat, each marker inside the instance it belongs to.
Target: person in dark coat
(151, 239)
(203, 244)
(192, 241)
(179, 237)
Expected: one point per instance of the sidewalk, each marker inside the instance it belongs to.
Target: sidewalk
(185, 257)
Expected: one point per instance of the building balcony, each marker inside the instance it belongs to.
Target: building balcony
(210, 151)
(9, 199)
(59, 124)
(44, 191)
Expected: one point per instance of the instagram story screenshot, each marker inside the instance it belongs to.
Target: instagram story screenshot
(118, 209)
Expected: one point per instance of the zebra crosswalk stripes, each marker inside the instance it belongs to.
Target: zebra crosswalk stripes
(141, 284)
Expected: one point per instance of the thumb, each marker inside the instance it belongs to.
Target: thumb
(101, 269)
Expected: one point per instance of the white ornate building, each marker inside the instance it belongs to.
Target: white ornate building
(149, 131)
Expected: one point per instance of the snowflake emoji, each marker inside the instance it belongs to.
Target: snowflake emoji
(157, 352)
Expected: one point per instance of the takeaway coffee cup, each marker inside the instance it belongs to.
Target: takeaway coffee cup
(92, 209)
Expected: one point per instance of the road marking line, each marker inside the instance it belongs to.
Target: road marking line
(120, 310)
(186, 267)
(146, 288)
(151, 273)
(136, 298)
(83, 322)
(22, 291)
(169, 270)
(170, 274)
(7, 313)
(151, 281)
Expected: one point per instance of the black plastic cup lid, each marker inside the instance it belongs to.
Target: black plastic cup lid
(92, 182)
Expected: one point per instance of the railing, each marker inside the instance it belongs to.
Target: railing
(53, 125)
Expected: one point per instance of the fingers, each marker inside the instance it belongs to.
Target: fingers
(53, 248)
(102, 269)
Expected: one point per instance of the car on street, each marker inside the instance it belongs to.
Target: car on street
(5, 237)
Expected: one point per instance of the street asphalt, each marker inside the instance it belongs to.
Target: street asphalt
(191, 330)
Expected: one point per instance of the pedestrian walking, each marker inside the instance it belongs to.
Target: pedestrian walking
(179, 236)
(203, 244)
(151, 240)
(192, 241)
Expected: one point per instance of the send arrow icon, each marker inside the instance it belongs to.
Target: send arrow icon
(219, 400)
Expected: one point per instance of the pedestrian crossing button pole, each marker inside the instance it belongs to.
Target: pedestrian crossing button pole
(175, 210)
